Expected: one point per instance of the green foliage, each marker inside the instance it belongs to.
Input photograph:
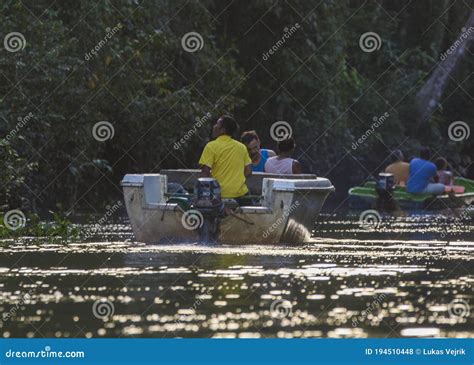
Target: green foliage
(143, 82)
(330, 90)
(59, 228)
(10, 180)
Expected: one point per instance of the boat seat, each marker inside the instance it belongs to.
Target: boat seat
(187, 178)
(175, 188)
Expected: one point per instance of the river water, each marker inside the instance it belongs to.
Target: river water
(409, 276)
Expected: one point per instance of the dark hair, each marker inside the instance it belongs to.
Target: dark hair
(229, 124)
(397, 155)
(249, 136)
(286, 145)
(425, 153)
(441, 163)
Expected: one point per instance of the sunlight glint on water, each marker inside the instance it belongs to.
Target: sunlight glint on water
(398, 280)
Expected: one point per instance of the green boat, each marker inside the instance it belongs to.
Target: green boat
(364, 197)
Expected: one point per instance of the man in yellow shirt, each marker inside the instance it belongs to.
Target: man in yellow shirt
(226, 159)
(399, 168)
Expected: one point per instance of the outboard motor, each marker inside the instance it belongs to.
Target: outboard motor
(384, 186)
(207, 201)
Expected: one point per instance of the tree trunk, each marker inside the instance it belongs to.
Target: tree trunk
(428, 98)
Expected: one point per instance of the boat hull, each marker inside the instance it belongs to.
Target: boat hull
(364, 197)
(288, 212)
(360, 202)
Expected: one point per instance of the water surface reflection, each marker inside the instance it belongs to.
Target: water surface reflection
(399, 280)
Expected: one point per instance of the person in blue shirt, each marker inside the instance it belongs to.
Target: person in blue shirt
(259, 156)
(421, 175)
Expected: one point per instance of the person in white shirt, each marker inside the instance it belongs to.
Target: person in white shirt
(283, 163)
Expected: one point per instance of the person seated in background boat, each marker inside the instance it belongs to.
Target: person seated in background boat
(258, 155)
(444, 176)
(283, 164)
(422, 172)
(399, 168)
(227, 160)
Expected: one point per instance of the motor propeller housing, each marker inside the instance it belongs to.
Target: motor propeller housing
(384, 186)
